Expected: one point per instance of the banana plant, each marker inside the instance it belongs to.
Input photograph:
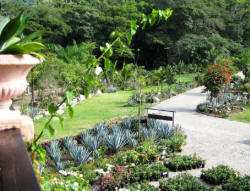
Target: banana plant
(12, 41)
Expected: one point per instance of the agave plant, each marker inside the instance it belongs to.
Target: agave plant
(68, 142)
(154, 124)
(164, 131)
(116, 140)
(53, 148)
(147, 133)
(116, 129)
(79, 154)
(130, 138)
(101, 133)
(56, 155)
(91, 142)
(127, 124)
(62, 165)
(11, 41)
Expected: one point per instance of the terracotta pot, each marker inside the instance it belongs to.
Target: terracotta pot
(13, 73)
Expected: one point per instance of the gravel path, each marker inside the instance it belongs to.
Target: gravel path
(218, 141)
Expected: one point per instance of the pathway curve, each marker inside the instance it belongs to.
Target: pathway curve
(218, 141)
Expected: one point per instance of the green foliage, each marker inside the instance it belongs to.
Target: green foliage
(137, 173)
(198, 79)
(162, 75)
(243, 63)
(247, 87)
(174, 143)
(238, 183)
(179, 163)
(68, 180)
(218, 175)
(243, 117)
(198, 32)
(184, 182)
(125, 74)
(215, 78)
(142, 186)
(11, 43)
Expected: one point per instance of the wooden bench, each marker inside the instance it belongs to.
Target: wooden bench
(160, 116)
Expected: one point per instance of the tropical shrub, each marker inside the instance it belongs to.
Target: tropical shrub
(198, 79)
(247, 87)
(124, 75)
(215, 78)
(11, 43)
(218, 175)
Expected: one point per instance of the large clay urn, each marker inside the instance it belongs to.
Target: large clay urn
(13, 73)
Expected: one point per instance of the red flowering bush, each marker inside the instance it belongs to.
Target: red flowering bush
(216, 77)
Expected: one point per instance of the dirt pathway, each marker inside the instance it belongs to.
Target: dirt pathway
(219, 141)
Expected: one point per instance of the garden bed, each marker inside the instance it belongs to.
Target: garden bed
(236, 110)
(131, 165)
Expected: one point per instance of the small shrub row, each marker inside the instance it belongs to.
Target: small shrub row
(218, 175)
(182, 182)
(239, 183)
(179, 163)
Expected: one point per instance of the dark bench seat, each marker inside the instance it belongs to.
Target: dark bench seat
(161, 116)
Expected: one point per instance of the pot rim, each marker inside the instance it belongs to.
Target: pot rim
(21, 59)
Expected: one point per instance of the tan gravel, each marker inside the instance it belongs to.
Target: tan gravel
(218, 141)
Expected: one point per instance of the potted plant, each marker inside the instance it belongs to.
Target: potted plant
(17, 57)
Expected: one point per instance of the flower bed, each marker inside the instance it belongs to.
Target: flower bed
(121, 175)
(99, 159)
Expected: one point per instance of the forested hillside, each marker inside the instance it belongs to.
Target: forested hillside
(198, 32)
(195, 29)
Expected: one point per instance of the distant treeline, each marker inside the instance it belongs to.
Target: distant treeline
(197, 32)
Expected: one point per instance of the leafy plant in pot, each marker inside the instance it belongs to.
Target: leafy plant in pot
(17, 56)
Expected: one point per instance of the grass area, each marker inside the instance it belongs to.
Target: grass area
(242, 117)
(90, 112)
(96, 109)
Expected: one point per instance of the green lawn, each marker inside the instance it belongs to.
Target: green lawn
(242, 117)
(92, 111)
(96, 109)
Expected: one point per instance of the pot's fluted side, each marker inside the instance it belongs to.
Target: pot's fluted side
(13, 72)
